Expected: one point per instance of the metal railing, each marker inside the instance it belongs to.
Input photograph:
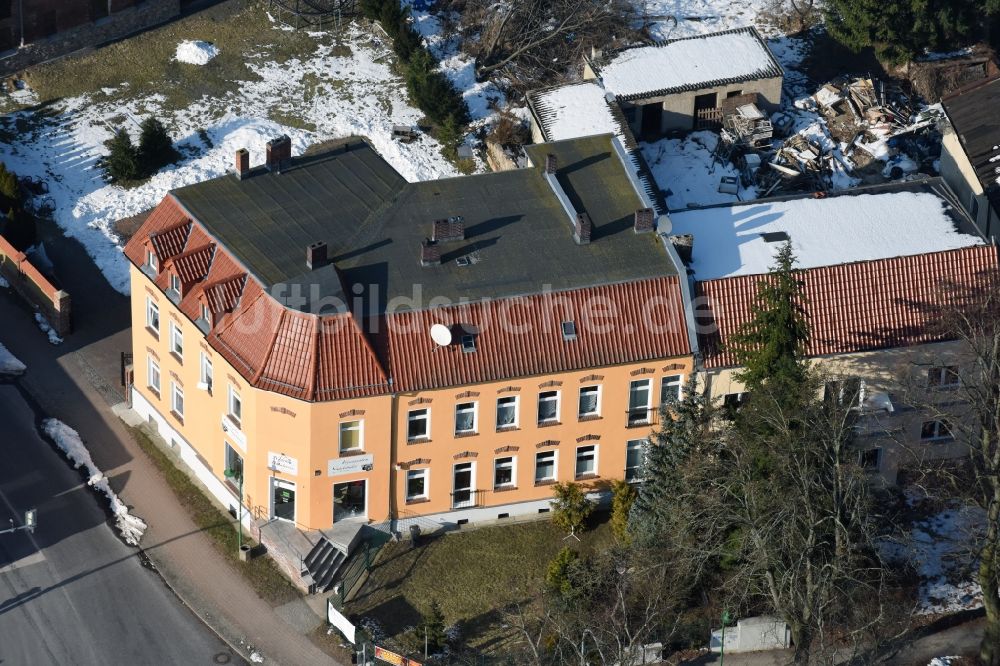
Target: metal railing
(464, 499)
(640, 417)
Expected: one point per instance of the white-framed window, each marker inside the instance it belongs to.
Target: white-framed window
(206, 314)
(635, 453)
(942, 376)
(176, 399)
(153, 374)
(234, 463)
(205, 373)
(849, 392)
(590, 401)
(505, 472)
(463, 488)
(548, 407)
(732, 402)
(152, 315)
(586, 460)
(545, 466)
(507, 412)
(937, 430)
(417, 486)
(671, 388)
(418, 424)
(175, 283)
(638, 402)
(465, 418)
(351, 436)
(176, 340)
(152, 261)
(235, 406)
(870, 459)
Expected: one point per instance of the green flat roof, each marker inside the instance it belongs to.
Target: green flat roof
(518, 236)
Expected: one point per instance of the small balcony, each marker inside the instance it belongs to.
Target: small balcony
(641, 417)
(466, 499)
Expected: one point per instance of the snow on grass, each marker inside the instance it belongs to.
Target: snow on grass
(670, 19)
(684, 171)
(68, 440)
(10, 365)
(326, 95)
(195, 52)
(47, 329)
(942, 661)
(939, 550)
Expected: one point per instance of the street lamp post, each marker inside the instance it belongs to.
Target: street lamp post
(30, 522)
(238, 475)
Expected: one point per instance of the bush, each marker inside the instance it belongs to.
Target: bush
(557, 576)
(156, 150)
(571, 507)
(122, 163)
(10, 191)
(432, 627)
(623, 494)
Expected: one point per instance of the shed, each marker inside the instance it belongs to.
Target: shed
(753, 634)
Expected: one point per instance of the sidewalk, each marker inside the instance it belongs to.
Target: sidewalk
(76, 382)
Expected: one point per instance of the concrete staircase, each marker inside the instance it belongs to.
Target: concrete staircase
(323, 562)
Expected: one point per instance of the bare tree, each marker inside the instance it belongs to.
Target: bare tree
(540, 35)
(960, 393)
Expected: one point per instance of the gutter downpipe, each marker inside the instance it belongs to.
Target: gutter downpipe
(393, 449)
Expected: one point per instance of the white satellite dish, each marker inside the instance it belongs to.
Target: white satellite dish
(441, 335)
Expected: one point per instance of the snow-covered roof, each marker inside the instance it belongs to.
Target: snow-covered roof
(743, 239)
(574, 110)
(691, 63)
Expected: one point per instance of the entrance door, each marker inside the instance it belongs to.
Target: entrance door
(349, 500)
(703, 107)
(652, 119)
(462, 489)
(282, 500)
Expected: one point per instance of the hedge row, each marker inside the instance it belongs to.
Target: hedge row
(429, 89)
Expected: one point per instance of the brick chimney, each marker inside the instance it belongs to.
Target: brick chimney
(448, 230)
(279, 153)
(430, 253)
(684, 244)
(645, 220)
(316, 255)
(551, 164)
(582, 228)
(242, 163)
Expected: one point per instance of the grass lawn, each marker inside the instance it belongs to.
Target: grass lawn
(262, 574)
(472, 574)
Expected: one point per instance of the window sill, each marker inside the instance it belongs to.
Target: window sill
(504, 489)
(152, 331)
(154, 392)
(587, 477)
(419, 440)
(180, 419)
(177, 357)
(548, 424)
(589, 417)
(639, 424)
(466, 434)
(347, 453)
(417, 500)
(235, 423)
(545, 482)
(507, 428)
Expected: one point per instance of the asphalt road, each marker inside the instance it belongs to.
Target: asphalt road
(73, 593)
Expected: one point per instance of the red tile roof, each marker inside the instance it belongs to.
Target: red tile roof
(192, 265)
(856, 307)
(523, 336)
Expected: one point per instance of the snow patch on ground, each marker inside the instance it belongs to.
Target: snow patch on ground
(339, 96)
(670, 19)
(684, 170)
(942, 661)
(68, 440)
(10, 365)
(47, 329)
(3, 283)
(256, 657)
(195, 52)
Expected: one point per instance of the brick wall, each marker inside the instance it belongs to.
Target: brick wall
(26, 280)
(56, 27)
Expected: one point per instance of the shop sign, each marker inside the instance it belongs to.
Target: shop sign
(279, 462)
(350, 465)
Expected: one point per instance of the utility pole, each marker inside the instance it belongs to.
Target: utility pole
(30, 522)
(722, 647)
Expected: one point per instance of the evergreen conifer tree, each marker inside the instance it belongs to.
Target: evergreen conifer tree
(156, 149)
(122, 163)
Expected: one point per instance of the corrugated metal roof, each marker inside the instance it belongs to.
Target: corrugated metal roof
(975, 114)
(881, 304)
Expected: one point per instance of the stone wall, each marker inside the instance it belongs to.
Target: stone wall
(75, 30)
(26, 280)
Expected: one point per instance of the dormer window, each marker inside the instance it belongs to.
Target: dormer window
(175, 283)
(569, 330)
(205, 314)
(468, 343)
(152, 261)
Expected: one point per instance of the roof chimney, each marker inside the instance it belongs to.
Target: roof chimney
(430, 253)
(582, 229)
(279, 153)
(242, 163)
(316, 255)
(684, 244)
(551, 163)
(644, 220)
(447, 230)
